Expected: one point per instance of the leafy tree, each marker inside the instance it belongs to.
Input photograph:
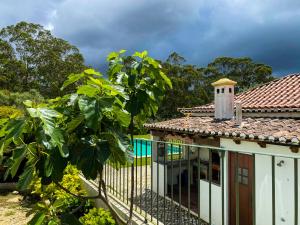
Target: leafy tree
(85, 128)
(244, 71)
(144, 84)
(188, 89)
(16, 99)
(192, 84)
(32, 58)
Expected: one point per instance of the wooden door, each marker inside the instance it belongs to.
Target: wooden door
(244, 176)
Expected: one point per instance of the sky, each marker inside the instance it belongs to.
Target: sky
(268, 31)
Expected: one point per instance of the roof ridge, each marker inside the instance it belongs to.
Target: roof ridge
(282, 92)
(268, 83)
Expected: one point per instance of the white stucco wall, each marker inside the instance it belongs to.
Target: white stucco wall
(161, 171)
(284, 181)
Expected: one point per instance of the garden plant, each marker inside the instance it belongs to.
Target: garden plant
(84, 129)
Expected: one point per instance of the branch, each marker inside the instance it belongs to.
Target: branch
(104, 189)
(79, 207)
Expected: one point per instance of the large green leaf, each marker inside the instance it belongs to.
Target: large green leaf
(92, 72)
(48, 118)
(38, 219)
(18, 156)
(88, 90)
(94, 154)
(58, 140)
(15, 128)
(69, 219)
(74, 123)
(90, 110)
(26, 178)
(72, 79)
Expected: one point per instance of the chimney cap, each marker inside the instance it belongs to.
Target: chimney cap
(223, 81)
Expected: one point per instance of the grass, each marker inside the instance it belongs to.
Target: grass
(144, 136)
(9, 213)
(143, 161)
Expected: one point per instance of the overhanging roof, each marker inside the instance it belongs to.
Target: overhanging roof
(285, 131)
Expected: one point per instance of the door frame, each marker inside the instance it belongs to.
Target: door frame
(232, 178)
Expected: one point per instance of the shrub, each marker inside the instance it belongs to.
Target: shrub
(97, 216)
(17, 98)
(70, 181)
(8, 111)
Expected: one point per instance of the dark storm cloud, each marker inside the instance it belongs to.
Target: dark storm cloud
(266, 30)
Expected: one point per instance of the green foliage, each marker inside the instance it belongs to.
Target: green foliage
(51, 193)
(143, 80)
(85, 128)
(81, 128)
(16, 99)
(8, 111)
(192, 84)
(97, 217)
(243, 70)
(30, 57)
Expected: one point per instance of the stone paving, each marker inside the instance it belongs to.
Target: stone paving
(118, 182)
(173, 213)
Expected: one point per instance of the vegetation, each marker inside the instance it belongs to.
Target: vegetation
(85, 128)
(30, 57)
(16, 99)
(8, 111)
(192, 84)
(90, 120)
(55, 203)
(97, 217)
(145, 85)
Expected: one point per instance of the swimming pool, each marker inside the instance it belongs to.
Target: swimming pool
(143, 148)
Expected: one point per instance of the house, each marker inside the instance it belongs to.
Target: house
(249, 154)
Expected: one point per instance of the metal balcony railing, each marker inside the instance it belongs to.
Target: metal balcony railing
(177, 183)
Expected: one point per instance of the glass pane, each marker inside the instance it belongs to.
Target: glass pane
(239, 171)
(245, 172)
(245, 180)
(240, 179)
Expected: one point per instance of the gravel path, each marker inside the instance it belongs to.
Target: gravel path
(12, 211)
(173, 214)
(118, 180)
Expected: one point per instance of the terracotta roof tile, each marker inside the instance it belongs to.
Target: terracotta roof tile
(254, 128)
(282, 93)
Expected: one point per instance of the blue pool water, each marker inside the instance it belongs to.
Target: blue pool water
(143, 148)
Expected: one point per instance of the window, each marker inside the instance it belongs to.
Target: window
(222, 90)
(218, 91)
(204, 169)
(243, 176)
(230, 90)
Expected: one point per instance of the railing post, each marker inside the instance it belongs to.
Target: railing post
(189, 184)
(136, 177)
(237, 190)
(210, 179)
(146, 185)
(254, 192)
(172, 191)
(157, 185)
(223, 186)
(151, 201)
(296, 189)
(198, 185)
(180, 149)
(273, 192)
(164, 210)
(141, 173)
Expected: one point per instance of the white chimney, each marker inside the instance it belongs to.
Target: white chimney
(224, 98)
